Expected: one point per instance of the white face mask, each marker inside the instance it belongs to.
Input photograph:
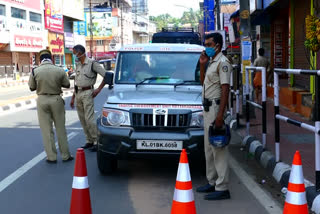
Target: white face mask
(46, 60)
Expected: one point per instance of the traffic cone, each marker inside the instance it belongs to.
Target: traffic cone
(296, 201)
(183, 200)
(80, 198)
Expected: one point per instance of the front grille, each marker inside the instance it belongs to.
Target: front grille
(150, 120)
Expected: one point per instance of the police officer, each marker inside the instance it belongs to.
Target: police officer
(86, 75)
(216, 80)
(47, 80)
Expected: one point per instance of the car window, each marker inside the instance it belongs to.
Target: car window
(133, 67)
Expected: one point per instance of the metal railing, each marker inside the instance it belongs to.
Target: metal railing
(235, 93)
(262, 107)
(277, 116)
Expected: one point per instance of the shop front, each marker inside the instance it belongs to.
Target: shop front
(103, 55)
(56, 46)
(21, 50)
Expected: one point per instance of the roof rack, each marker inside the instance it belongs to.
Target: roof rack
(176, 29)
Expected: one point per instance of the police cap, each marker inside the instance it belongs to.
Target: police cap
(45, 51)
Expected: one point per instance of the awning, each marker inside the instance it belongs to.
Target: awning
(263, 17)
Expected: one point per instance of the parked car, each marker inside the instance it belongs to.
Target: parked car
(108, 64)
(154, 109)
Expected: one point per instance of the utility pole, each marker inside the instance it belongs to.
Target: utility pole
(218, 14)
(91, 33)
(121, 14)
(246, 44)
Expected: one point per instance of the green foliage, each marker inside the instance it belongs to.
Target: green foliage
(166, 20)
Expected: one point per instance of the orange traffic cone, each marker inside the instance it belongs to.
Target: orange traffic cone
(183, 200)
(80, 198)
(296, 201)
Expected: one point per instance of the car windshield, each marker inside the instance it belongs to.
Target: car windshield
(171, 68)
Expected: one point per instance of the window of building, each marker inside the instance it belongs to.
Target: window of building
(35, 17)
(99, 42)
(57, 60)
(18, 13)
(2, 10)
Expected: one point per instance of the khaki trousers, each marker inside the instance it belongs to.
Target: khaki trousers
(51, 110)
(217, 169)
(85, 109)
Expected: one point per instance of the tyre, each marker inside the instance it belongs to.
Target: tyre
(106, 164)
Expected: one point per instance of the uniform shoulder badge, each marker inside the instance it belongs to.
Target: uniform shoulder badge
(225, 68)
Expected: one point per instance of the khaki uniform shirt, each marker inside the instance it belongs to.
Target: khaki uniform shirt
(217, 74)
(48, 79)
(86, 74)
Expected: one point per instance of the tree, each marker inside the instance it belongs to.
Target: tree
(188, 17)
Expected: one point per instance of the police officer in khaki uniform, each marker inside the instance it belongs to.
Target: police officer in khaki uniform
(86, 76)
(48, 80)
(216, 81)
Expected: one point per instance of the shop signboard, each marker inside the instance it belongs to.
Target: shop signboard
(31, 4)
(101, 23)
(80, 28)
(26, 43)
(69, 40)
(53, 15)
(56, 43)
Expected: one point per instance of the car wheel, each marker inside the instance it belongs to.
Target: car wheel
(106, 163)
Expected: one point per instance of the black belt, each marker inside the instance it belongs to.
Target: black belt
(77, 88)
(49, 94)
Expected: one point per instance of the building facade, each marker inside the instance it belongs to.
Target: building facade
(22, 35)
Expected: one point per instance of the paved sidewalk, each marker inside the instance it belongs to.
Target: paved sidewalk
(10, 82)
(292, 138)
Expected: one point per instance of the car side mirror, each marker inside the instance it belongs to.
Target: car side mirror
(108, 78)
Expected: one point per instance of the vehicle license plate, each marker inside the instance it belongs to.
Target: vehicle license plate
(159, 145)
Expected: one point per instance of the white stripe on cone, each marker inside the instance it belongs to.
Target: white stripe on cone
(298, 175)
(80, 182)
(183, 173)
(296, 198)
(183, 196)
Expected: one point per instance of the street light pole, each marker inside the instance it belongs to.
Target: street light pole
(91, 33)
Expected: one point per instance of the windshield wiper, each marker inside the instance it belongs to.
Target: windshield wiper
(152, 78)
(184, 82)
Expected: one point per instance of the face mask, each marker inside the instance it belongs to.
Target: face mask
(210, 51)
(76, 58)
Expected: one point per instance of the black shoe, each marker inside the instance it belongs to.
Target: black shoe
(218, 195)
(51, 161)
(93, 148)
(87, 145)
(69, 159)
(206, 188)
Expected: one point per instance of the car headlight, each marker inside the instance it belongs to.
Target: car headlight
(197, 119)
(112, 117)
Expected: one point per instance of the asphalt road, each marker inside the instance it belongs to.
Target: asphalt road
(9, 94)
(139, 187)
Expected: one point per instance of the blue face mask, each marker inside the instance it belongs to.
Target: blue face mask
(76, 58)
(210, 51)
